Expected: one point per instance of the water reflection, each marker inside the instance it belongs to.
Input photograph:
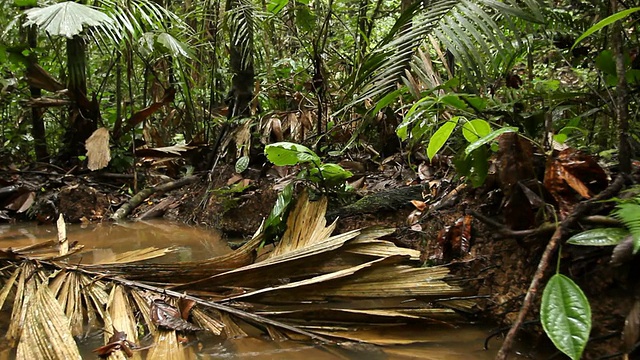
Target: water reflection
(103, 241)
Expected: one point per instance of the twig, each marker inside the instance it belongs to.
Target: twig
(544, 228)
(126, 209)
(580, 210)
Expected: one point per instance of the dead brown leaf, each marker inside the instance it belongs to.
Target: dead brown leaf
(98, 152)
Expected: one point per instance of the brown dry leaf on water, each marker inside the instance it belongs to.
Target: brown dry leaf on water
(98, 152)
(571, 175)
(169, 317)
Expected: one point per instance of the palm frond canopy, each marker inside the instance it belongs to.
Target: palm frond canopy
(67, 19)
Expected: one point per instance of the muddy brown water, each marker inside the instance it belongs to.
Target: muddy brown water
(103, 241)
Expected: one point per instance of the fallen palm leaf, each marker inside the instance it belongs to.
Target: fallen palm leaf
(46, 333)
(311, 283)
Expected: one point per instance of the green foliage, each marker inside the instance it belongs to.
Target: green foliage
(628, 212)
(441, 136)
(605, 22)
(326, 175)
(286, 153)
(487, 139)
(565, 315)
(275, 223)
(599, 237)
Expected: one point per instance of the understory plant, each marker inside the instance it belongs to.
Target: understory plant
(565, 312)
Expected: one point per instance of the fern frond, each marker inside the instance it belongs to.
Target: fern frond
(629, 214)
(472, 31)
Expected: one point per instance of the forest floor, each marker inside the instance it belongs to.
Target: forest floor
(496, 269)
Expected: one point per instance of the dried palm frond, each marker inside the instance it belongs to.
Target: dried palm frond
(46, 333)
(311, 284)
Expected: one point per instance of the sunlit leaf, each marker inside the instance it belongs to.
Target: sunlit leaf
(173, 45)
(66, 19)
(599, 237)
(475, 129)
(275, 6)
(441, 136)
(566, 315)
(286, 153)
(488, 138)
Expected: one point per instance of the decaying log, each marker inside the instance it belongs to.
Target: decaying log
(392, 199)
(137, 199)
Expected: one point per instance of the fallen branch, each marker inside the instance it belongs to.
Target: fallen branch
(544, 228)
(580, 210)
(137, 199)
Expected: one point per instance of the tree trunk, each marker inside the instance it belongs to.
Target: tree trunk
(240, 59)
(622, 96)
(37, 123)
(83, 114)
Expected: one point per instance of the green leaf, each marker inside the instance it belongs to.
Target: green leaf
(454, 101)
(25, 3)
(242, 164)
(599, 237)
(441, 136)
(388, 99)
(286, 153)
(479, 166)
(566, 315)
(488, 138)
(629, 214)
(332, 174)
(275, 6)
(475, 129)
(275, 221)
(605, 22)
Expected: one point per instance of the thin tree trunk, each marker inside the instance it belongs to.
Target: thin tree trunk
(622, 96)
(240, 60)
(37, 123)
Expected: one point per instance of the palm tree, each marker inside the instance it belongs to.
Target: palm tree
(69, 19)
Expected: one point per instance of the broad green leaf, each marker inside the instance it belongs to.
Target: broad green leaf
(332, 174)
(478, 103)
(488, 138)
(605, 22)
(479, 166)
(566, 315)
(242, 164)
(606, 63)
(454, 101)
(275, 6)
(286, 153)
(441, 136)
(388, 99)
(599, 237)
(275, 220)
(475, 129)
